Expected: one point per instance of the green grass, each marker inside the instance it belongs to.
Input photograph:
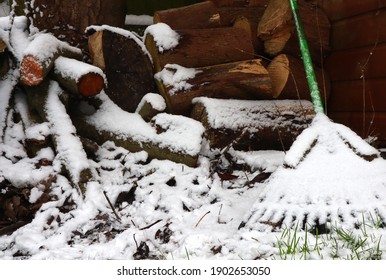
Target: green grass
(339, 243)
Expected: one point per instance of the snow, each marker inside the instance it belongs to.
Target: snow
(138, 20)
(181, 134)
(164, 37)
(68, 145)
(155, 100)
(176, 77)
(44, 46)
(236, 114)
(324, 178)
(182, 212)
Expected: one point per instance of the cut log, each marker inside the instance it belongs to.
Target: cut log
(151, 105)
(39, 58)
(126, 64)
(45, 100)
(277, 30)
(257, 125)
(240, 80)
(169, 137)
(289, 79)
(78, 77)
(251, 28)
(200, 15)
(240, 3)
(67, 20)
(200, 47)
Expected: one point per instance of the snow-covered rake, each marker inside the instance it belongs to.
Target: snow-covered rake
(330, 174)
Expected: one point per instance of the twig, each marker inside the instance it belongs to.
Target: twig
(135, 240)
(219, 213)
(202, 218)
(111, 206)
(149, 226)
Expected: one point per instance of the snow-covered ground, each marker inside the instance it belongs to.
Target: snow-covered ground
(171, 211)
(165, 210)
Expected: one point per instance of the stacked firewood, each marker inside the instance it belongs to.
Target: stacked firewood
(244, 50)
(241, 49)
(233, 49)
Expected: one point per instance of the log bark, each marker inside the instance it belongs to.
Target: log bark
(200, 15)
(289, 79)
(126, 64)
(4, 60)
(67, 20)
(240, 80)
(203, 47)
(240, 3)
(277, 30)
(260, 125)
(77, 77)
(40, 56)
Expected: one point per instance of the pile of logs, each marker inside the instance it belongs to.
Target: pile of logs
(242, 50)
(237, 49)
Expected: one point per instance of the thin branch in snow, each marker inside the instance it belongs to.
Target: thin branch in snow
(199, 221)
(111, 206)
(149, 226)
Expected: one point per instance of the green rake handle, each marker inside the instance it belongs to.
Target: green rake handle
(310, 73)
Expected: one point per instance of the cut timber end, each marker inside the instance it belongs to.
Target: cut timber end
(91, 84)
(279, 72)
(31, 71)
(95, 45)
(289, 79)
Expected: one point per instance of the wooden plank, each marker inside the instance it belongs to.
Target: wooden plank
(348, 64)
(363, 30)
(366, 125)
(340, 9)
(359, 95)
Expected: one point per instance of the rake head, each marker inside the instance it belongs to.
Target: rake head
(330, 175)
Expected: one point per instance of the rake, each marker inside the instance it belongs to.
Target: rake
(329, 175)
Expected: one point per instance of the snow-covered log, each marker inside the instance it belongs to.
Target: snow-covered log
(126, 63)
(197, 47)
(170, 137)
(252, 125)
(151, 105)
(237, 80)
(40, 55)
(199, 15)
(45, 99)
(289, 79)
(78, 77)
(277, 29)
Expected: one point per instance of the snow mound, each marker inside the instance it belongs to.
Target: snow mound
(330, 175)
